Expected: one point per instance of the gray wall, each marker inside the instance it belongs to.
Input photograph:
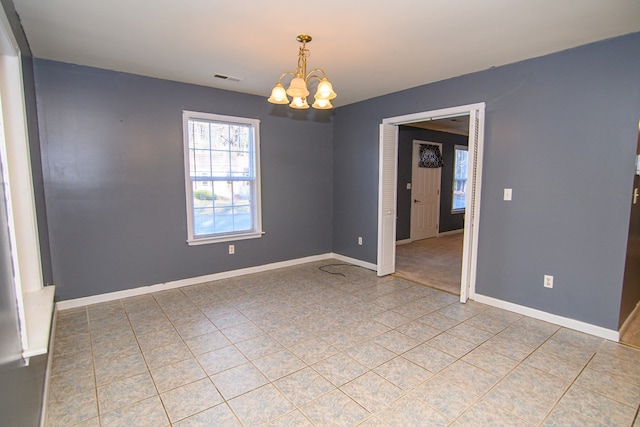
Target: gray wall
(447, 221)
(560, 130)
(114, 179)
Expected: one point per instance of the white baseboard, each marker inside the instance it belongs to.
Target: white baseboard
(111, 296)
(566, 322)
(444, 233)
(354, 261)
(447, 233)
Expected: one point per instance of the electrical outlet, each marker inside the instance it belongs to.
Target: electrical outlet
(232, 249)
(360, 241)
(548, 281)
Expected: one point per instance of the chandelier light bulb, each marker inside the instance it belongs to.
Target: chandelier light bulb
(322, 104)
(278, 95)
(325, 90)
(299, 103)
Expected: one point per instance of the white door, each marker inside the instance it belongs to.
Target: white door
(387, 195)
(425, 196)
(472, 211)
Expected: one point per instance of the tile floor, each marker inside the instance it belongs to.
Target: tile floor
(302, 347)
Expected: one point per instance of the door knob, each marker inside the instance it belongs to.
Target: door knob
(416, 201)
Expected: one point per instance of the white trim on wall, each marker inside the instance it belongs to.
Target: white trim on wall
(34, 302)
(111, 296)
(527, 311)
(566, 322)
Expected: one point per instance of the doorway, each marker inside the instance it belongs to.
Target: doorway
(388, 190)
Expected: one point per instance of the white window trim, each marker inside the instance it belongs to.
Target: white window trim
(34, 301)
(457, 147)
(255, 123)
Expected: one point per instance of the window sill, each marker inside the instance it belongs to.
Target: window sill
(222, 239)
(38, 306)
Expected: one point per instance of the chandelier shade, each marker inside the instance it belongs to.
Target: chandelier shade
(298, 88)
(278, 95)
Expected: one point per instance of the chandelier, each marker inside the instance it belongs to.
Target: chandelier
(298, 88)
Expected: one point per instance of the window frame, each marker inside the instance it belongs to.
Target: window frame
(453, 183)
(256, 232)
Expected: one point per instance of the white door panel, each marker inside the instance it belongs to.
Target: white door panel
(425, 197)
(387, 196)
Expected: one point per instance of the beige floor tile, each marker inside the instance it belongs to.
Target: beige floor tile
(278, 365)
(456, 347)
(334, 408)
(612, 386)
(484, 413)
(194, 327)
(219, 415)
(277, 345)
(190, 399)
(429, 358)
(221, 360)
(597, 407)
(303, 386)
(469, 377)
(167, 355)
(403, 373)
(258, 347)
(260, 406)
(72, 409)
(176, 375)
(339, 369)
(292, 419)
(108, 370)
(370, 354)
(236, 381)
(158, 339)
(444, 396)
(490, 361)
(396, 341)
(145, 412)
(409, 411)
(124, 392)
(207, 342)
(372, 391)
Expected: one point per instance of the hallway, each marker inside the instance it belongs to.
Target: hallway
(435, 262)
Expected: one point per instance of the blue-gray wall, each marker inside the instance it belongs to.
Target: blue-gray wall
(561, 131)
(448, 221)
(114, 180)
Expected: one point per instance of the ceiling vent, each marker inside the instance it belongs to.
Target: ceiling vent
(226, 77)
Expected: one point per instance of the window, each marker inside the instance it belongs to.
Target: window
(222, 177)
(460, 179)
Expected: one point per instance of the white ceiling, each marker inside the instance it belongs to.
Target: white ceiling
(367, 47)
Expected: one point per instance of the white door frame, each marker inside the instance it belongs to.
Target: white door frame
(414, 169)
(388, 181)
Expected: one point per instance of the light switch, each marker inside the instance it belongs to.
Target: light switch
(507, 194)
(408, 186)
